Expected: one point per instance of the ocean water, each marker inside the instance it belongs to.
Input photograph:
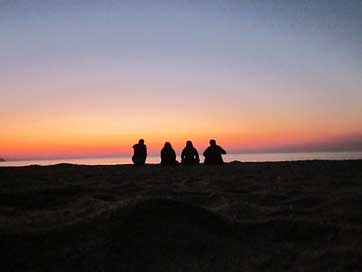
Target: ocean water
(254, 157)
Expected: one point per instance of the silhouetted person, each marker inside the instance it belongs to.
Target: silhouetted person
(213, 154)
(139, 153)
(168, 155)
(189, 155)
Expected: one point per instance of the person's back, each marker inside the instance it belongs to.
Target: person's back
(189, 155)
(168, 155)
(213, 154)
(139, 153)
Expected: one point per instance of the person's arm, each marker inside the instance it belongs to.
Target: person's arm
(183, 155)
(197, 155)
(222, 151)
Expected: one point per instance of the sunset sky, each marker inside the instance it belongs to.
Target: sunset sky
(89, 78)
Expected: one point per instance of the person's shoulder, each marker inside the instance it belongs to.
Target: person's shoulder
(207, 149)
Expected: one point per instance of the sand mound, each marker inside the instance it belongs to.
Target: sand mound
(153, 234)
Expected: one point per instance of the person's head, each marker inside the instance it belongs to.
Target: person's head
(168, 145)
(141, 141)
(189, 144)
(212, 142)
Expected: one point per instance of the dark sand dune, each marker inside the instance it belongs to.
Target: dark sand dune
(154, 234)
(300, 216)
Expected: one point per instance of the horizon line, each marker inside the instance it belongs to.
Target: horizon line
(156, 155)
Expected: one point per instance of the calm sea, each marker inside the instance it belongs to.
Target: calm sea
(255, 157)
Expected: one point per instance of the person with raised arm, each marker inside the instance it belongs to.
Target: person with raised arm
(213, 154)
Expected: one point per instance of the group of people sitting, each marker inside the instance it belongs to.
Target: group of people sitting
(189, 156)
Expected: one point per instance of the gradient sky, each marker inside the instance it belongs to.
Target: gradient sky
(89, 78)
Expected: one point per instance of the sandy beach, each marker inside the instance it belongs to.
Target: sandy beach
(295, 216)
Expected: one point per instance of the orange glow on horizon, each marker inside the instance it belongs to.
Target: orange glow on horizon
(113, 144)
(108, 131)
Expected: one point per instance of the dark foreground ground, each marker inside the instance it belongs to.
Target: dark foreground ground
(295, 216)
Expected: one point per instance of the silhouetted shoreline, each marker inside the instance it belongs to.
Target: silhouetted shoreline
(237, 216)
(2, 160)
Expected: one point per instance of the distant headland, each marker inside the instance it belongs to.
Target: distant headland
(2, 160)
